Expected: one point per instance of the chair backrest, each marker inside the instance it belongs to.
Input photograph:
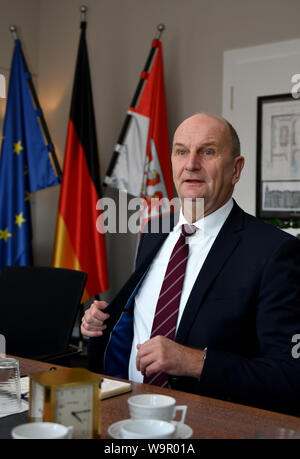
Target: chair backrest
(38, 308)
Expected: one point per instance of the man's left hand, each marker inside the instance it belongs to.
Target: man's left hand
(163, 354)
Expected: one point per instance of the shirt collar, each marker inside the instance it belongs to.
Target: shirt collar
(212, 223)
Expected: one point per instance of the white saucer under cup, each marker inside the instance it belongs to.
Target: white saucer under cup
(182, 431)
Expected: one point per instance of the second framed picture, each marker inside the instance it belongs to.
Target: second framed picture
(278, 157)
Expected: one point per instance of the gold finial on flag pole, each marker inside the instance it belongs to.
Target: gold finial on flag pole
(13, 31)
(160, 28)
(83, 10)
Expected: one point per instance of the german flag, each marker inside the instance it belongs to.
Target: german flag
(78, 244)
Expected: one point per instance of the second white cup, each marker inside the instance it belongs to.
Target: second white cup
(147, 428)
(41, 430)
(155, 406)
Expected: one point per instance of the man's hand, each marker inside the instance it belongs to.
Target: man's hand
(92, 323)
(162, 354)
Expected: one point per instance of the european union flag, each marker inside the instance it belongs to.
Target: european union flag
(25, 166)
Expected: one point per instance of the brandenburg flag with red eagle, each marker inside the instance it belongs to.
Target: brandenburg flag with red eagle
(142, 159)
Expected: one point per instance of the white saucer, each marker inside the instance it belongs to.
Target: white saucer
(183, 431)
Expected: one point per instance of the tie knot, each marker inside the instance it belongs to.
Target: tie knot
(188, 230)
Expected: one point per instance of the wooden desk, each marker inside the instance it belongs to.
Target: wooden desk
(28, 366)
(209, 418)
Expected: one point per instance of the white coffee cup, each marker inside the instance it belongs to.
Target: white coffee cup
(42, 430)
(155, 406)
(147, 428)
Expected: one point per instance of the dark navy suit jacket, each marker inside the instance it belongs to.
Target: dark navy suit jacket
(244, 307)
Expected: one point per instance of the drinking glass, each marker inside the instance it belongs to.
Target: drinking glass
(10, 386)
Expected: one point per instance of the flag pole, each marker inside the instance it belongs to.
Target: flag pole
(160, 29)
(58, 170)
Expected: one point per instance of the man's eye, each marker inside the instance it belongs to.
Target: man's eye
(208, 152)
(181, 152)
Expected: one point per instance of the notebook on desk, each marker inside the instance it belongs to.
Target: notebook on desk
(109, 387)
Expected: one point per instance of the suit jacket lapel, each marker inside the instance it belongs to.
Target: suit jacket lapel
(226, 241)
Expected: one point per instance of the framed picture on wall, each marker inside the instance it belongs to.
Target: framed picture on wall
(278, 157)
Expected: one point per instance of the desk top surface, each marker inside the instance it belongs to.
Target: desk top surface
(208, 417)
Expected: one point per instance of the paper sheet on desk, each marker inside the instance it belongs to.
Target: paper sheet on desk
(24, 403)
(111, 387)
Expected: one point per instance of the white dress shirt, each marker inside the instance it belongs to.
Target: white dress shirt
(146, 299)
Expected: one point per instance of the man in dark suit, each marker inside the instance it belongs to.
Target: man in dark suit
(240, 302)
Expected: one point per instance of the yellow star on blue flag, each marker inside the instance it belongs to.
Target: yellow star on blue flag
(4, 234)
(18, 147)
(20, 220)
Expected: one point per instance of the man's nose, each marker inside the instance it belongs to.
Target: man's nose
(193, 161)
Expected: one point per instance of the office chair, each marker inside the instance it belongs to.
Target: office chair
(38, 308)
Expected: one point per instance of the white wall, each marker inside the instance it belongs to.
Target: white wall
(119, 36)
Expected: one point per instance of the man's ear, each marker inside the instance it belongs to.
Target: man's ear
(239, 162)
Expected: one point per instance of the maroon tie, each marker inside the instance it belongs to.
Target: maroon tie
(166, 313)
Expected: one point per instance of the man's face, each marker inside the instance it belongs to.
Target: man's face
(202, 161)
